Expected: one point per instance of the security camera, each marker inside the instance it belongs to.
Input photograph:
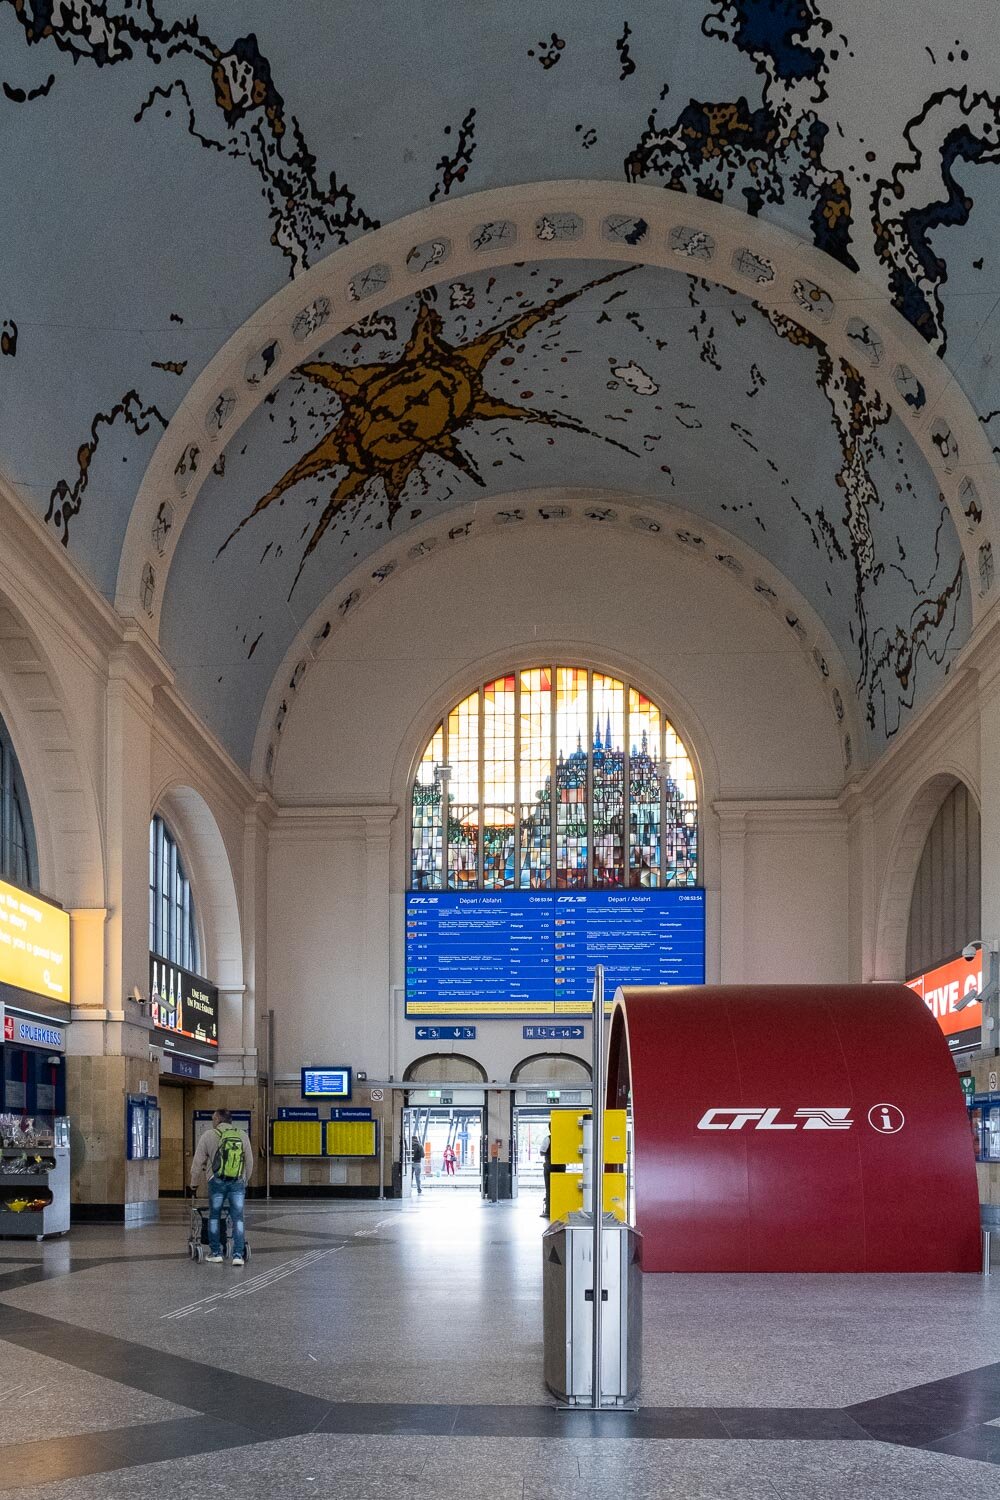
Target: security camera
(970, 950)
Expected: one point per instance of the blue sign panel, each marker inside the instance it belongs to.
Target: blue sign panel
(474, 954)
(30, 1034)
(350, 1114)
(445, 1033)
(298, 1112)
(552, 1033)
(184, 1067)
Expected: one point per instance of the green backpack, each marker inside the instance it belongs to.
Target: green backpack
(230, 1158)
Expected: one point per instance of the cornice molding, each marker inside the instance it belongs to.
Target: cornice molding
(359, 821)
(787, 816)
(38, 575)
(176, 724)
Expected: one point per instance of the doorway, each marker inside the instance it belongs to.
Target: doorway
(452, 1140)
(531, 1132)
(173, 1165)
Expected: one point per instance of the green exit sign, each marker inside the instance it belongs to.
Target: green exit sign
(552, 1096)
(434, 1093)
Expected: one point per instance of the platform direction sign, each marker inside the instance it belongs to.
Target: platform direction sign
(552, 1033)
(445, 1033)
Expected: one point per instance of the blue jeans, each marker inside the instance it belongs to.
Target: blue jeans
(231, 1195)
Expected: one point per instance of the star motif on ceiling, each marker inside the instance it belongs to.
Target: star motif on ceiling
(395, 414)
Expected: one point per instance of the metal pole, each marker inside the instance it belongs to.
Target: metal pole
(987, 1271)
(597, 1176)
(381, 1161)
(270, 1101)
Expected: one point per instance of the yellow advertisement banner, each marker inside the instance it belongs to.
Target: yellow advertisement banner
(34, 944)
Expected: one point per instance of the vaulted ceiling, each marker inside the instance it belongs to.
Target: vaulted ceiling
(817, 381)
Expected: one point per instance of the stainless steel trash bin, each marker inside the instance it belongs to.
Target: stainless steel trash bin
(567, 1310)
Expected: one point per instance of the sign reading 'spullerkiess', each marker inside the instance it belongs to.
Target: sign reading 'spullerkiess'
(34, 944)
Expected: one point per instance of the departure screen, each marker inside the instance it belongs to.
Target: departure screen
(326, 1083)
(475, 954)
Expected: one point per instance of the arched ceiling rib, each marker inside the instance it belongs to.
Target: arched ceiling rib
(230, 158)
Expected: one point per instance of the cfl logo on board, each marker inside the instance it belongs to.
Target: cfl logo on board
(810, 1118)
(886, 1119)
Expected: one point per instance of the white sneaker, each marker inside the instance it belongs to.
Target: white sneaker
(237, 1260)
(213, 1260)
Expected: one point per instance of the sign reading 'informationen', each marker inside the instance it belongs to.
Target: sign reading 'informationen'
(34, 944)
(505, 954)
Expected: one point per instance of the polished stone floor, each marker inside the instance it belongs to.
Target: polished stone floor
(395, 1349)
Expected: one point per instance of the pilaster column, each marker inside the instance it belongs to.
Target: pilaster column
(732, 879)
(135, 669)
(862, 894)
(989, 767)
(378, 935)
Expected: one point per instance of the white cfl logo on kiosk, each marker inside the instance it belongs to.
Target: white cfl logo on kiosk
(886, 1119)
(768, 1119)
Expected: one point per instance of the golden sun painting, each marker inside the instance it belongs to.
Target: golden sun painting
(395, 414)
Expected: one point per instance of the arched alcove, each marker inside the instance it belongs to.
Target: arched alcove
(901, 869)
(208, 867)
(445, 1067)
(551, 1067)
(60, 790)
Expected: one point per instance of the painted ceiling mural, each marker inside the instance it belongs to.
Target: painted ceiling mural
(639, 378)
(228, 148)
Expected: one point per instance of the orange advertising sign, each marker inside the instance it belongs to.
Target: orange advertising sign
(34, 944)
(943, 987)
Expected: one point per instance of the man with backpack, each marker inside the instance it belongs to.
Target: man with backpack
(225, 1156)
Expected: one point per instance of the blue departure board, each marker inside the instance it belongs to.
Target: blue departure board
(475, 954)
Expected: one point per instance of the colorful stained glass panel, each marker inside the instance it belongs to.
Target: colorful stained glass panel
(535, 778)
(499, 767)
(608, 760)
(572, 778)
(554, 776)
(645, 788)
(464, 810)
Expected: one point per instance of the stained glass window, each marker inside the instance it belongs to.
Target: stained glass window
(645, 790)
(535, 778)
(427, 849)
(572, 777)
(464, 801)
(608, 753)
(498, 783)
(554, 776)
(17, 834)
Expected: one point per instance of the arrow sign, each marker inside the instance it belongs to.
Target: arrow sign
(445, 1033)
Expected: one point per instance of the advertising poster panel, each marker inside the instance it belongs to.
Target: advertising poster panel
(34, 944)
(942, 988)
(183, 1004)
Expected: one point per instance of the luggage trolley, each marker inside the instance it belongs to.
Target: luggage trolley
(198, 1246)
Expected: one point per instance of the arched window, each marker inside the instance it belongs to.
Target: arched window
(945, 907)
(173, 930)
(17, 833)
(554, 776)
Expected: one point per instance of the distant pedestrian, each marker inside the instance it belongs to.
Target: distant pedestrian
(416, 1162)
(449, 1161)
(224, 1155)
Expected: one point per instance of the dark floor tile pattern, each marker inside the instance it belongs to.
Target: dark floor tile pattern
(945, 1416)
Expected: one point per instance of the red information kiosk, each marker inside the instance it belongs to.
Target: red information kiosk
(794, 1128)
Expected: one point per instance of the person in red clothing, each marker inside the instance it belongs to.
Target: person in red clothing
(449, 1161)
